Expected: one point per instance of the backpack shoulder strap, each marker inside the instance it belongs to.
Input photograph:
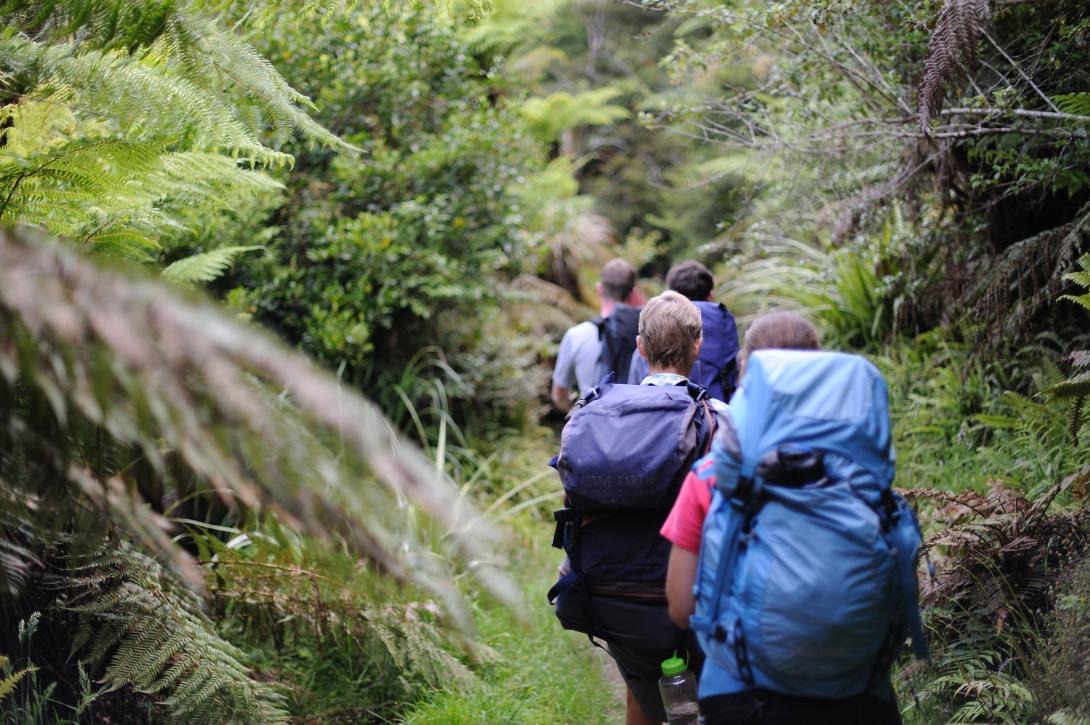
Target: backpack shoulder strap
(703, 400)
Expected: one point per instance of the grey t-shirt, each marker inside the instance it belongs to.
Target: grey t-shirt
(577, 361)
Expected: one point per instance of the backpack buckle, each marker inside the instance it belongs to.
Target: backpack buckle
(747, 491)
(562, 534)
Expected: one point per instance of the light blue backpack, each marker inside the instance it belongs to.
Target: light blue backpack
(807, 584)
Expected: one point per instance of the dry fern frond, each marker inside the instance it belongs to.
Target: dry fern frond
(951, 53)
(251, 418)
(1000, 553)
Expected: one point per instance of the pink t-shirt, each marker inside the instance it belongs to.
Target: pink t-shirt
(685, 523)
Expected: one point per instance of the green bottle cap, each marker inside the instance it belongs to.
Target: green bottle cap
(673, 666)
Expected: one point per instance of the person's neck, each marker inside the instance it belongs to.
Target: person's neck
(607, 307)
(667, 371)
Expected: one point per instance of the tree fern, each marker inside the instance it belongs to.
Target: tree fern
(108, 93)
(180, 35)
(204, 267)
(552, 115)
(951, 52)
(109, 192)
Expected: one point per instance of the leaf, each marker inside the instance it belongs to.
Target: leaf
(951, 52)
(206, 266)
(1074, 387)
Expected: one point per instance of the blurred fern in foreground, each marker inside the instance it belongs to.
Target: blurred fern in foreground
(123, 405)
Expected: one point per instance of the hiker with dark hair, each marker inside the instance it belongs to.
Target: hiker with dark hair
(590, 350)
(692, 279)
(793, 559)
(716, 366)
(623, 454)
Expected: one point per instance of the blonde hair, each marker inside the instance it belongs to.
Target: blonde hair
(783, 330)
(669, 325)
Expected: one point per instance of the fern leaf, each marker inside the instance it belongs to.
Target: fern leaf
(1074, 103)
(1073, 387)
(204, 267)
(9, 683)
(951, 52)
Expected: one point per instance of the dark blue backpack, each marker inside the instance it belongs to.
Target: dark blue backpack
(624, 453)
(617, 335)
(716, 369)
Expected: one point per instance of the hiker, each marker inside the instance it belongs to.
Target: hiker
(590, 350)
(805, 581)
(623, 455)
(784, 330)
(716, 366)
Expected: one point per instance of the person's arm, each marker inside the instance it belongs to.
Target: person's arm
(680, 577)
(561, 398)
(564, 373)
(683, 528)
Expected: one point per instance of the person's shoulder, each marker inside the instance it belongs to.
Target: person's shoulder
(719, 406)
(583, 331)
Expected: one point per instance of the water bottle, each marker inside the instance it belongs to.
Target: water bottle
(678, 688)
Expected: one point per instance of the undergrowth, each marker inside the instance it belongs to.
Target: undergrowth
(539, 673)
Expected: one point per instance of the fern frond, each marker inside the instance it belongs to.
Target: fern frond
(152, 368)
(189, 43)
(129, 24)
(160, 628)
(8, 684)
(951, 52)
(1077, 104)
(204, 267)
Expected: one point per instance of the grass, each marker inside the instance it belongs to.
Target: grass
(540, 673)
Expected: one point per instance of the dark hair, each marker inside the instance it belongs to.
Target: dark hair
(618, 280)
(691, 279)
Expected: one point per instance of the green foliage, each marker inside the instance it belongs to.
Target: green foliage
(113, 139)
(993, 188)
(122, 400)
(11, 678)
(1059, 678)
(203, 267)
(382, 253)
(150, 634)
(553, 115)
(336, 633)
(1076, 103)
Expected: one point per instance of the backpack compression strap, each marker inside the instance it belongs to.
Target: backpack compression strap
(903, 536)
(745, 502)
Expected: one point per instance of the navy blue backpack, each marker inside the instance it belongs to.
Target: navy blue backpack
(617, 334)
(807, 578)
(716, 369)
(624, 453)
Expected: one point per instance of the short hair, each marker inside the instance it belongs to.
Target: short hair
(618, 280)
(669, 325)
(783, 330)
(691, 279)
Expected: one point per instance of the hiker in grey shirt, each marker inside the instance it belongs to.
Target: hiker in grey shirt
(581, 348)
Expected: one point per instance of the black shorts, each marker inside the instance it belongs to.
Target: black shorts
(760, 707)
(641, 670)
